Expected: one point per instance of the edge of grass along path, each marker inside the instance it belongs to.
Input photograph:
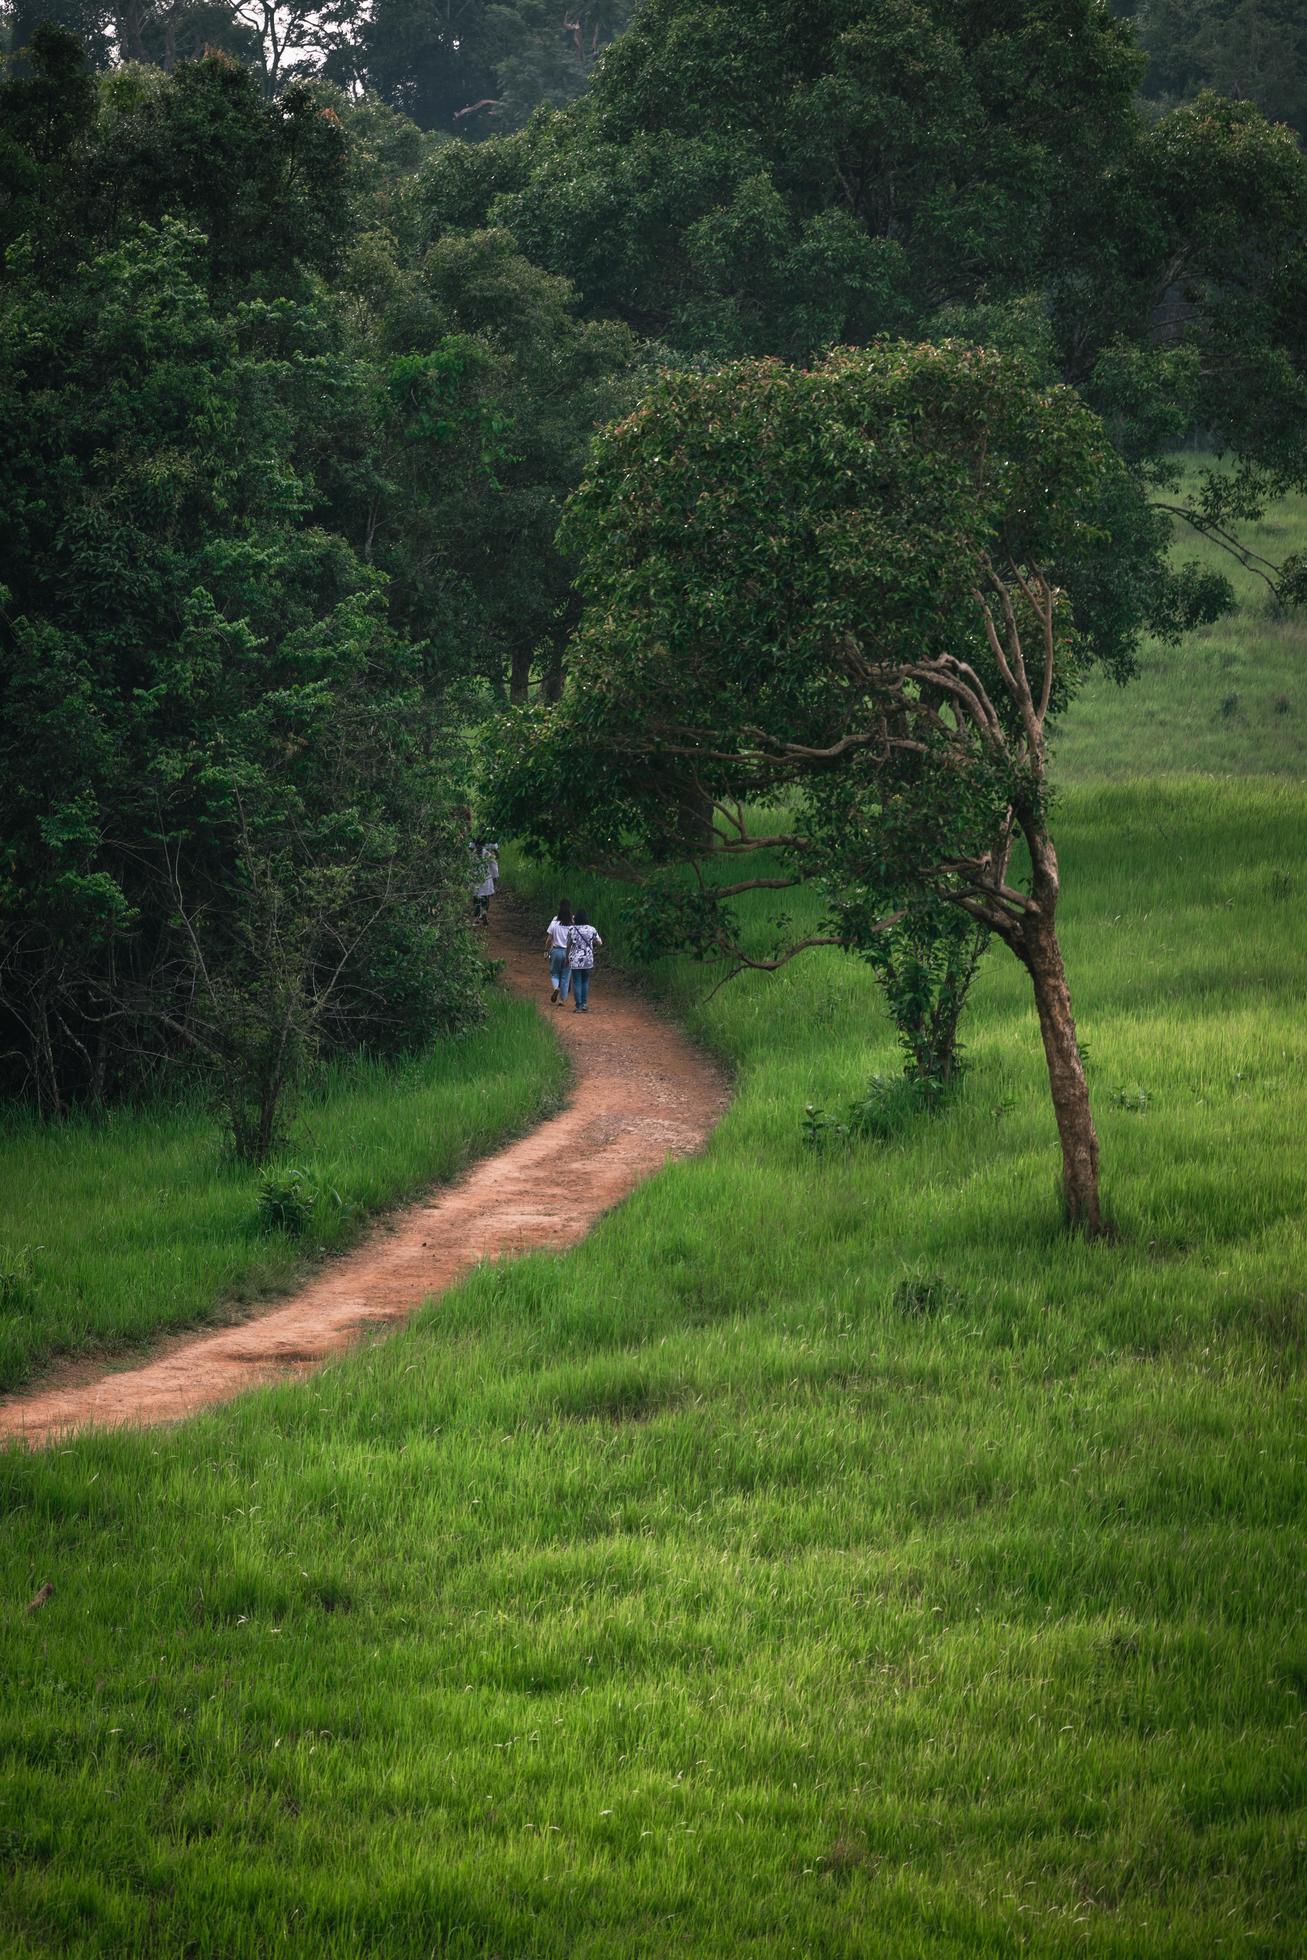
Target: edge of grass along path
(114, 1232)
(829, 1555)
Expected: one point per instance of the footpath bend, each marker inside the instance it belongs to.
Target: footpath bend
(640, 1094)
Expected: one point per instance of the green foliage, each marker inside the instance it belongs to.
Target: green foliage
(733, 182)
(452, 475)
(885, 1108)
(917, 1294)
(476, 65)
(984, 1613)
(747, 544)
(1251, 50)
(231, 777)
(739, 182)
(17, 1279)
(292, 1197)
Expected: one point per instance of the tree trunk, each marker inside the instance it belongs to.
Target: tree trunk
(519, 677)
(129, 26)
(1066, 1076)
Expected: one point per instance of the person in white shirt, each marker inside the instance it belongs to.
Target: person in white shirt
(485, 874)
(581, 942)
(560, 973)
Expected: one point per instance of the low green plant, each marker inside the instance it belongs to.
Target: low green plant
(888, 1105)
(289, 1196)
(917, 1294)
(17, 1283)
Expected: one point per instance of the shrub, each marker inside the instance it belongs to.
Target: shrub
(889, 1104)
(288, 1198)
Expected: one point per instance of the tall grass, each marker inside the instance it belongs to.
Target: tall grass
(828, 1557)
(118, 1230)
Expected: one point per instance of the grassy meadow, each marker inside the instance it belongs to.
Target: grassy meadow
(1232, 698)
(829, 1557)
(114, 1231)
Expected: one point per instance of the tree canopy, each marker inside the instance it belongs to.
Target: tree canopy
(275, 492)
(762, 178)
(862, 591)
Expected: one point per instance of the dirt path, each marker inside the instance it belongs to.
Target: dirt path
(641, 1094)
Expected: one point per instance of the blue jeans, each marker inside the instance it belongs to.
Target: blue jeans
(581, 987)
(560, 972)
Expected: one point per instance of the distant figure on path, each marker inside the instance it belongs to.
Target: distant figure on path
(581, 942)
(560, 973)
(485, 874)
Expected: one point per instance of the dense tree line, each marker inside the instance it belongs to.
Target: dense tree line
(1250, 50)
(275, 494)
(477, 67)
(455, 66)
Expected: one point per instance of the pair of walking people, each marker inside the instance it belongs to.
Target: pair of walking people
(570, 943)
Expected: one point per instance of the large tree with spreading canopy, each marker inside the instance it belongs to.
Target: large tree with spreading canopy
(863, 591)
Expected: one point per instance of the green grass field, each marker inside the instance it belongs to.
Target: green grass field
(1232, 699)
(116, 1231)
(829, 1557)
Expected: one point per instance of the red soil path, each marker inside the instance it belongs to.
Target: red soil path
(640, 1094)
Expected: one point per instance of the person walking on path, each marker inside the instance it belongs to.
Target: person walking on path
(560, 973)
(485, 874)
(581, 942)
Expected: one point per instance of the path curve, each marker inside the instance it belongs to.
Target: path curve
(640, 1094)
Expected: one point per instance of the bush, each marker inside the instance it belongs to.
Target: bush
(289, 1196)
(889, 1104)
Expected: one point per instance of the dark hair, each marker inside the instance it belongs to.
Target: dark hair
(564, 913)
(581, 919)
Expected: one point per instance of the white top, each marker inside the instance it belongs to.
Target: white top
(557, 935)
(489, 871)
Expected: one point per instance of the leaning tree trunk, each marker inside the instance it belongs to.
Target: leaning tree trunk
(1041, 954)
(1066, 1081)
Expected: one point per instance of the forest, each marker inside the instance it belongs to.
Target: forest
(827, 484)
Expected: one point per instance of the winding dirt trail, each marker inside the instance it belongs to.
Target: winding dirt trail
(640, 1094)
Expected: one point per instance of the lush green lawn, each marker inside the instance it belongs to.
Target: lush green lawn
(1231, 699)
(691, 1593)
(116, 1231)
(827, 1558)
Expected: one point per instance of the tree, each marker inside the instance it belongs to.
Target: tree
(1251, 50)
(466, 66)
(229, 784)
(449, 461)
(864, 589)
(760, 178)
